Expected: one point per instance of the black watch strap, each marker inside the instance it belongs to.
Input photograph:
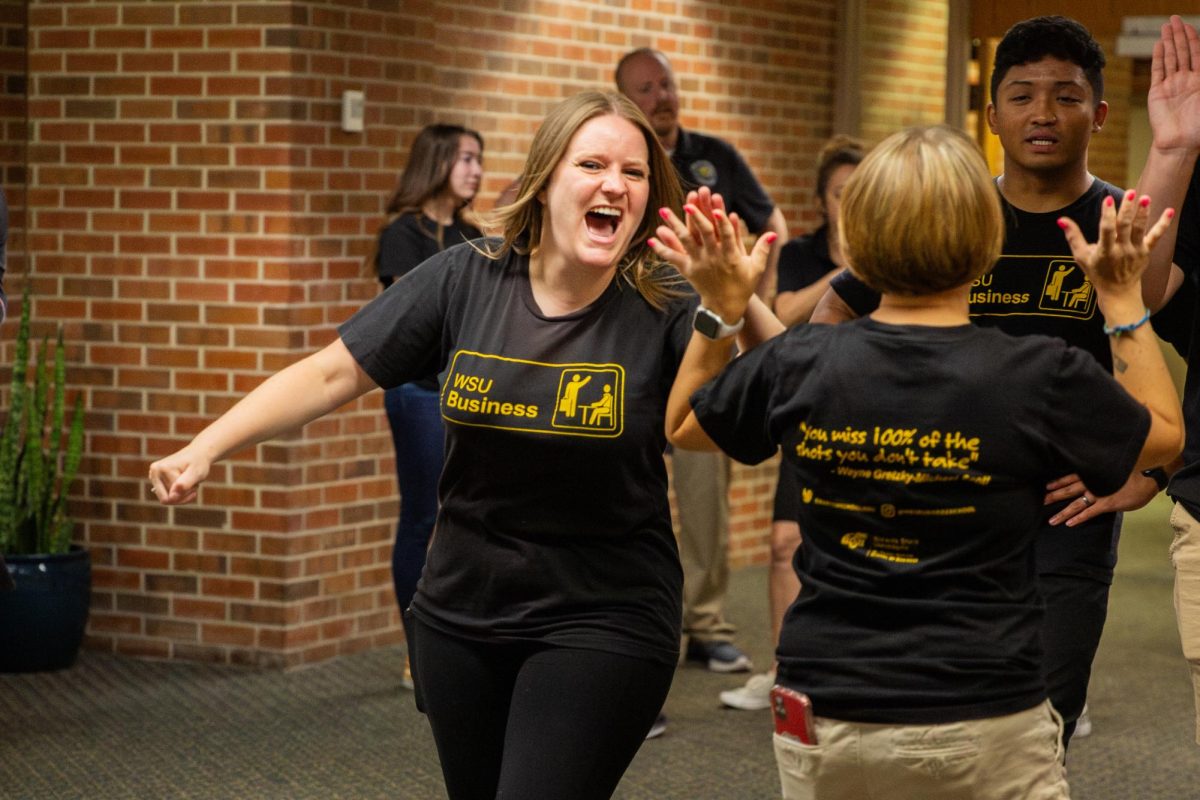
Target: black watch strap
(1159, 475)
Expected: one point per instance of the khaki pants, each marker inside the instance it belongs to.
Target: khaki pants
(701, 482)
(1185, 557)
(1015, 757)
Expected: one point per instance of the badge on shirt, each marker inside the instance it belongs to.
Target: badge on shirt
(572, 399)
(704, 172)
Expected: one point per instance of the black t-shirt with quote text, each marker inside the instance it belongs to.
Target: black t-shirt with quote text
(921, 477)
(1036, 288)
(554, 523)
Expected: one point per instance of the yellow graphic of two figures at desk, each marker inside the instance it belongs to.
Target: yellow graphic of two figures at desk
(1067, 290)
(587, 400)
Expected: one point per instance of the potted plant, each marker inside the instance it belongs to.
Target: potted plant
(42, 619)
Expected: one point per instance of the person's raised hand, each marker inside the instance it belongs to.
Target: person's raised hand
(708, 250)
(1173, 102)
(1116, 260)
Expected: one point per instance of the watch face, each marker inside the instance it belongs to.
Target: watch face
(707, 323)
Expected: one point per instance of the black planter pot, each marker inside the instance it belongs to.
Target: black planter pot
(43, 618)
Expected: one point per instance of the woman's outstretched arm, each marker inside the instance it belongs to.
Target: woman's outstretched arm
(308, 389)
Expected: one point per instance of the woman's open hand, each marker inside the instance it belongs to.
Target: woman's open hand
(1116, 261)
(708, 250)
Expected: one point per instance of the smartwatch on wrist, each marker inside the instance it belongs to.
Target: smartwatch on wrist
(1159, 476)
(712, 326)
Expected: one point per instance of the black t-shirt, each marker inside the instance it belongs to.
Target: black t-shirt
(708, 161)
(1036, 288)
(921, 479)
(411, 239)
(554, 523)
(1185, 484)
(805, 260)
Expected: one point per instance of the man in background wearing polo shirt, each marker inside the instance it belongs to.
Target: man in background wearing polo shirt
(702, 479)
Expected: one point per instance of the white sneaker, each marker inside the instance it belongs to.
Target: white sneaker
(1083, 725)
(754, 696)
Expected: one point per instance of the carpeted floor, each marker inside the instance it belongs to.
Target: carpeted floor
(116, 727)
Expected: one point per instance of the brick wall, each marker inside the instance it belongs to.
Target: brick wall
(13, 131)
(903, 66)
(198, 220)
(1108, 154)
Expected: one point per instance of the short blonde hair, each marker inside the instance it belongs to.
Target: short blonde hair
(520, 222)
(921, 214)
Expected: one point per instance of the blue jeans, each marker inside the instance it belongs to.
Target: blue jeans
(417, 433)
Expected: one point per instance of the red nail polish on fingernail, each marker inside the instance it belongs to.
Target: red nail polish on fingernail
(1145, 202)
(652, 242)
(717, 213)
(1170, 212)
(1108, 201)
(771, 237)
(1062, 223)
(662, 212)
(1130, 194)
(687, 209)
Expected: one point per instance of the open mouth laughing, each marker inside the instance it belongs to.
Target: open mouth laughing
(603, 221)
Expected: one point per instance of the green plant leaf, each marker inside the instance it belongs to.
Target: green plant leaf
(11, 441)
(35, 472)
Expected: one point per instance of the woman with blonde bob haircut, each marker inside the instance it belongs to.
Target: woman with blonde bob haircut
(546, 624)
(921, 214)
(920, 446)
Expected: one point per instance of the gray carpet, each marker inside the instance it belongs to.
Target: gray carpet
(114, 727)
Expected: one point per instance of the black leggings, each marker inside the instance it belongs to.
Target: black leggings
(522, 721)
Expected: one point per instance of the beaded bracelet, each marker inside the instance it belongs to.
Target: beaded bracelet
(1117, 330)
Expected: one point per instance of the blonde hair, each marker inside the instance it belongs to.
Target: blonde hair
(921, 214)
(519, 224)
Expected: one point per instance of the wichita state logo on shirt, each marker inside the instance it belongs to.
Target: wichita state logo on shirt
(1041, 286)
(704, 172)
(574, 399)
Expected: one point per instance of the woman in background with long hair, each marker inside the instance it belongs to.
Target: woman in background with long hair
(430, 211)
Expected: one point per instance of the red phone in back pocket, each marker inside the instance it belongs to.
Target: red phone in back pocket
(793, 714)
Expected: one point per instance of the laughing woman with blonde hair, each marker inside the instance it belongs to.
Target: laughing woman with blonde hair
(546, 623)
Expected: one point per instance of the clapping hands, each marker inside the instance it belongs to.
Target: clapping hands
(1116, 261)
(708, 250)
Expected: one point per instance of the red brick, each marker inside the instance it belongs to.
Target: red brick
(208, 62)
(235, 588)
(192, 608)
(242, 635)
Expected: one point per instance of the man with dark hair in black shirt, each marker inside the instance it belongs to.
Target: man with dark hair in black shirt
(1046, 106)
